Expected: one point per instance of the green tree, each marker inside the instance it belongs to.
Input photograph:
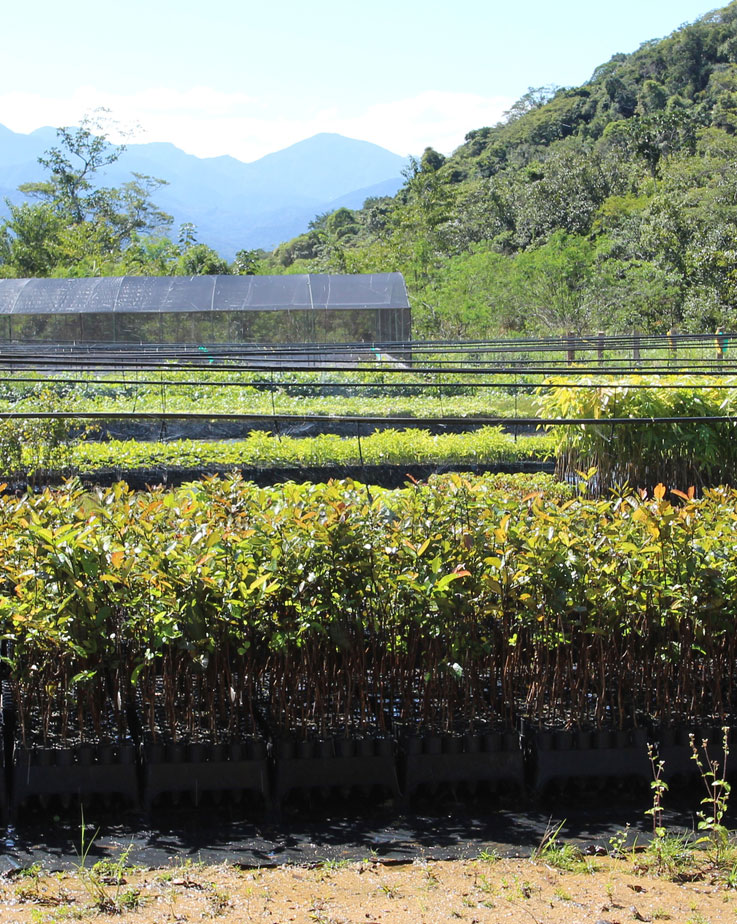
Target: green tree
(551, 284)
(652, 98)
(29, 240)
(200, 260)
(72, 165)
(431, 160)
(72, 224)
(72, 192)
(250, 262)
(534, 98)
(421, 234)
(627, 295)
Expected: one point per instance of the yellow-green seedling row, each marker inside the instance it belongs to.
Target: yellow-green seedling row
(259, 449)
(39, 448)
(353, 392)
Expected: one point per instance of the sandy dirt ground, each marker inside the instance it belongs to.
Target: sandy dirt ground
(602, 890)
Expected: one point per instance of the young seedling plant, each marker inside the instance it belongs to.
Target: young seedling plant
(658, 787)
(670, 852)
(713, 772)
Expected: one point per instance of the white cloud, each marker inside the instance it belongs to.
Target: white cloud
(435, 118)
(209, 122)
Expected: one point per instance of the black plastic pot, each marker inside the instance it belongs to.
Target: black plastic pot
(341, 763)
(674, 749)
(344, 747)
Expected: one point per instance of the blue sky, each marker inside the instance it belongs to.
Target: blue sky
(244, 78)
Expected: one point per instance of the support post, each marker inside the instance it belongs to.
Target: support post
(673, 349)
(720, 342)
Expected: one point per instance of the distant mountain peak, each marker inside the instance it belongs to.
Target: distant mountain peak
(235, 205)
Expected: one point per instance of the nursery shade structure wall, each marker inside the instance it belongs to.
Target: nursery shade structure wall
(308, 308)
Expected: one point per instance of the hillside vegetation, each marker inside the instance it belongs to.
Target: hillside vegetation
(606, 206)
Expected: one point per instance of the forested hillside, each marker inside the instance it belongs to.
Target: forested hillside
(607, 206)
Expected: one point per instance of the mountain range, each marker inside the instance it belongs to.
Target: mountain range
(234, 205)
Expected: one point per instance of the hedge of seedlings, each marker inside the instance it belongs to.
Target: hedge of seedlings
(258, 449)
(40, 450)
(696, 452)
(211, 611)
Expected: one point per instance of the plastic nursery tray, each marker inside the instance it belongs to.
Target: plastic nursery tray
(487, 758)
(343, 763)
(674, 749)
(82, 771)
(198, 769)
(561, 756)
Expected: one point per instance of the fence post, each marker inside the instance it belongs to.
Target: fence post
(635, 346)
(571, 353)
(672, 344)
(600, 347)
(720, 341)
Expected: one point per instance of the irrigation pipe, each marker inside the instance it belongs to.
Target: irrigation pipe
(710, 368)
(412, 422)
(287, 386)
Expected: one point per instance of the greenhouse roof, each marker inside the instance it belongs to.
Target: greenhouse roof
(125, 294)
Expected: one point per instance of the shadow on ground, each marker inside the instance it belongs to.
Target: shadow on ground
(308, 832)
